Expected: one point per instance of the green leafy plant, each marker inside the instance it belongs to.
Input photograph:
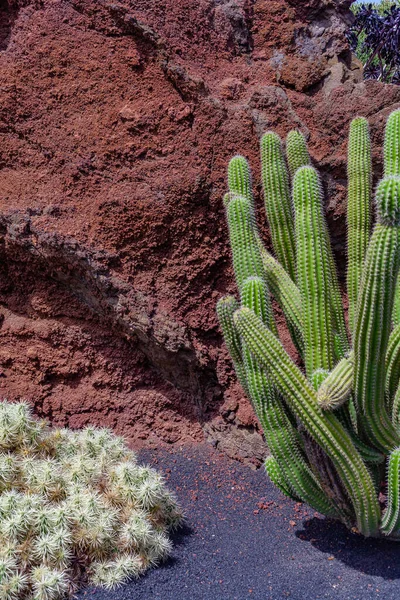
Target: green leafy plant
(75, 508)
(331, 420)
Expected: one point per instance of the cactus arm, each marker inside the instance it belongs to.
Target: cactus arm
(278, 479)
(296, 152)
(277, 200)
(373, 321)
(243, 238)
(359, 175)
(341, 342)
(391, 159)
(313, 272)
(323, 427)
(239, 178)
(280, 435)
(391, 517)
(393, 364)
(286, 293)
(226, 308)
(391, 146)
(337, 387)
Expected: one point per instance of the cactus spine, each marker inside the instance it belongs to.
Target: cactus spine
(332, 460)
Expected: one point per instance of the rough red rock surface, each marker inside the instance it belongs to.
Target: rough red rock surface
(117, 121)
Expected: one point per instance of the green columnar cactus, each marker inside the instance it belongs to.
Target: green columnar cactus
(374, 311)
(287, 295)
(329, 428)
(391, 156)
(296, 152)
(278, 205)
(324, 428)
(359, 175)
(239, 178)
(226, 308)
(396, 409)
(391, 149)
(243, 237)
(282, 438)
(391, 518)
(313, 272)
(392, 365)
(277, 477)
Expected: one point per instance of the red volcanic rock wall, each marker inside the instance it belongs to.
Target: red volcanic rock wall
(117, 120)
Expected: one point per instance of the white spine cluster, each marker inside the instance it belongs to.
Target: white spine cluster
(75, 508)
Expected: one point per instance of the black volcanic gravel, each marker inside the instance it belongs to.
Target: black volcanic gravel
(244, 540)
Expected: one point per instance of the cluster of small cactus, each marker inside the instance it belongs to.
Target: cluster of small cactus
(332, 418)
(75, 509)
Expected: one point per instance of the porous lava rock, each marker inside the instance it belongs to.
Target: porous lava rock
(117, 120)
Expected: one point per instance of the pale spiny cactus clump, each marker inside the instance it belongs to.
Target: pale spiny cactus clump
(75, 509)
(332, 424)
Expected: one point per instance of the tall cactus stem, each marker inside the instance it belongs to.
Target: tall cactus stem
(391, 160)
(374, 312)
(323, 427)
(278, 479)
(226, 308)
(313, 272)
(396, 409)
(239, 178)
(391, 517)
(277, 200)
(393, 364)
(282, 438)
(359, 176)
(296, 152)
(391, 147)
(287, 295)
(242, 232)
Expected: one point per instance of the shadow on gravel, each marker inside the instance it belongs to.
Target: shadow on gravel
(179, 538)
(370, 556)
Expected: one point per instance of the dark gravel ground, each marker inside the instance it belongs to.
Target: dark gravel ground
(244, 540)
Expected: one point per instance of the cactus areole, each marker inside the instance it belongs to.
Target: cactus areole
(332, 424)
